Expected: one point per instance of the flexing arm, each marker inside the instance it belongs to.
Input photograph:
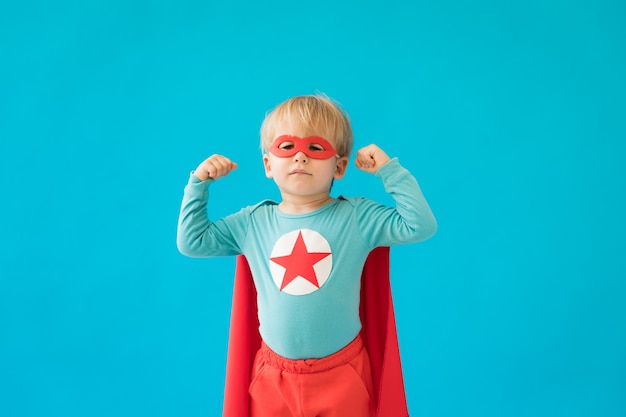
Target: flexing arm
(197, 236)
(411, 220)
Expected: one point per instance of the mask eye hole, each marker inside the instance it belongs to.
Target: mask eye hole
(286, 146)
(316, 147)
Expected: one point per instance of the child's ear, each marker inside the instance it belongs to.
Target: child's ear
(340, 168)
(267, 166)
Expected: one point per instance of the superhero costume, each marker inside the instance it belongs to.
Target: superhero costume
(340, 235)
(327, 247)
(378, 332)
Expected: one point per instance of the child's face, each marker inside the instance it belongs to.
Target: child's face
(302, 165)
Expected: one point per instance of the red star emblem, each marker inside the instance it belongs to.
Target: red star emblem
(299, 263)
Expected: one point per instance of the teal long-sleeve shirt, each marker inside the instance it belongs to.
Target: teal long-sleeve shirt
(307, 267)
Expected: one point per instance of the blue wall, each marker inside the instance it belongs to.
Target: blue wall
(510, 114)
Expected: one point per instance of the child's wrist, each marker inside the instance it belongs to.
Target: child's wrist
(199, 177)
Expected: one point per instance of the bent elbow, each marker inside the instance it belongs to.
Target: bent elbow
(430, 229)
(185, 248)
(424, 231)
(182, 248)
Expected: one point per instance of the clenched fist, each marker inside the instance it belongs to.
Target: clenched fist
(370, 158)
(214, 167)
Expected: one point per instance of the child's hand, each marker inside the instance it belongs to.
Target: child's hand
(214, 167)
(370, 158)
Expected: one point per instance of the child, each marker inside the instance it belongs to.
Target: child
(306, 254)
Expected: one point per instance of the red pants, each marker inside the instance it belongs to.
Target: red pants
(339, 385)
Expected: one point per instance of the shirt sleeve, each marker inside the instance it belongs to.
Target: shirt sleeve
(197, 236)
(411, 220)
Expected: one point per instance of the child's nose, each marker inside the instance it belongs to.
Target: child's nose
(300, 157)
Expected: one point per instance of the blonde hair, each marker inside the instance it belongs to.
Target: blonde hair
(317, 115)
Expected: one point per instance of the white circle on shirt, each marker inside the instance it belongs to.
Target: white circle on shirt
(300, 262)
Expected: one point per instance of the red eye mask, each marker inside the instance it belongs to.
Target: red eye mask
(312, 146)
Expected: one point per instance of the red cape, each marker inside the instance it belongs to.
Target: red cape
(379, 334)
